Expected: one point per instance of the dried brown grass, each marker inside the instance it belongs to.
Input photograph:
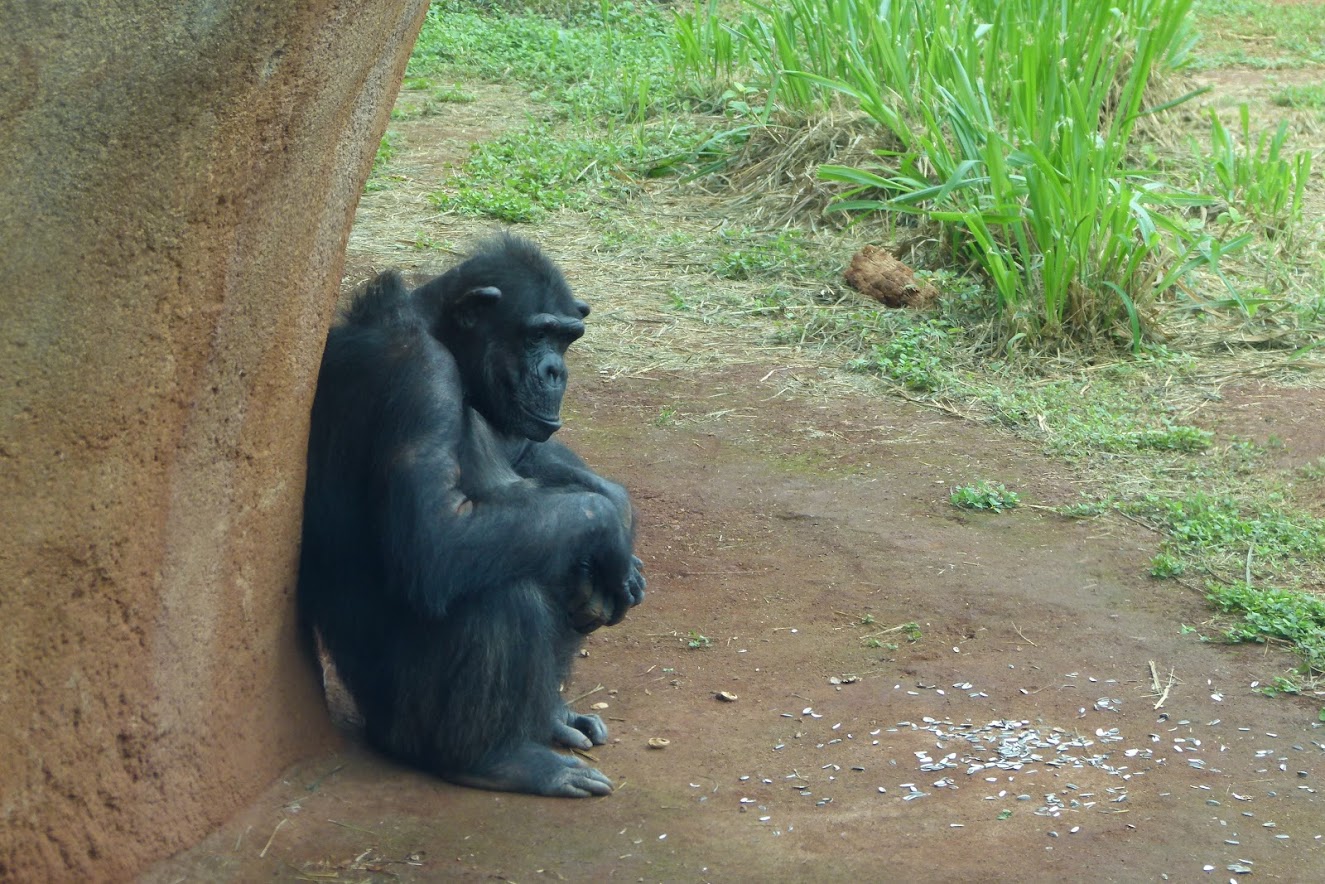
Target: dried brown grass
(773, 180)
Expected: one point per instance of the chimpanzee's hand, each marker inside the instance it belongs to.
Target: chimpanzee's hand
(635, 584)
(592, 605)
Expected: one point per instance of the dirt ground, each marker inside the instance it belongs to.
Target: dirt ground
(1046, 718)
(774, 534)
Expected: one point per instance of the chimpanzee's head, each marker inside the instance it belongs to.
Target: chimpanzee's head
(507, 316)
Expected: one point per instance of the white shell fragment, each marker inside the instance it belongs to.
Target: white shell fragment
(659, 742)
(726, 696)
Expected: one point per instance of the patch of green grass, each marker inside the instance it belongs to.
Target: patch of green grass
(915, 357)
(1240, 545)
(984, 495)
(417, 83)
(748, 253)
(1284, 34)
(522, 176)
(424, 242)
(1308, 96)
(602, 73)
(560, 10)
(451, 95)
(1270, 614)
(386, 152)
(697, 642)
(1282, 685)
(1311, 312)
(1112, 419)
(609, 59)
(1164, 566)
(1206, 525)
(1086, 509)
(1102, 412)
(909, 630)
(1257, 174)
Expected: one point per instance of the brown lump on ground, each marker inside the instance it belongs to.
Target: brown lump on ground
(879, 275)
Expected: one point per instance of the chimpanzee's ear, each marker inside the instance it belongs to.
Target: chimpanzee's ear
(468, 304)
(483, 293)
(447, 291)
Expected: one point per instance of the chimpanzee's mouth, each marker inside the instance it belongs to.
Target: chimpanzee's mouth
(553, 423)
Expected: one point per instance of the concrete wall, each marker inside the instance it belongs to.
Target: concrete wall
(177, 182)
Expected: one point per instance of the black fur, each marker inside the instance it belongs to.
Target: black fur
(451, 549)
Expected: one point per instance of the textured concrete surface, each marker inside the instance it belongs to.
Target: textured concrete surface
(179, 182)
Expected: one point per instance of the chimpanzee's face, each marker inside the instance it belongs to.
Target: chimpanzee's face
(509, 337)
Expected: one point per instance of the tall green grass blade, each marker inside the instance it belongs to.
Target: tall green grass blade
(1015, 118)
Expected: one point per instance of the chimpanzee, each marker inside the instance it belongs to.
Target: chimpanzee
(453, 553)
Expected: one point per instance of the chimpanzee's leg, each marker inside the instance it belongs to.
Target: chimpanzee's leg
(477, 697)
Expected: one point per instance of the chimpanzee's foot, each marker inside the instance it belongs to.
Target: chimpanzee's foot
(579, 731)
(538, 770)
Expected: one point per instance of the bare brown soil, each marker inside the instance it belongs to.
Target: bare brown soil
(1289, 423)
(774, 534)
(791, 538)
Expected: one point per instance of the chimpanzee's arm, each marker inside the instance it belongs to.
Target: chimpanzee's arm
(440, 538)
(556, 467)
